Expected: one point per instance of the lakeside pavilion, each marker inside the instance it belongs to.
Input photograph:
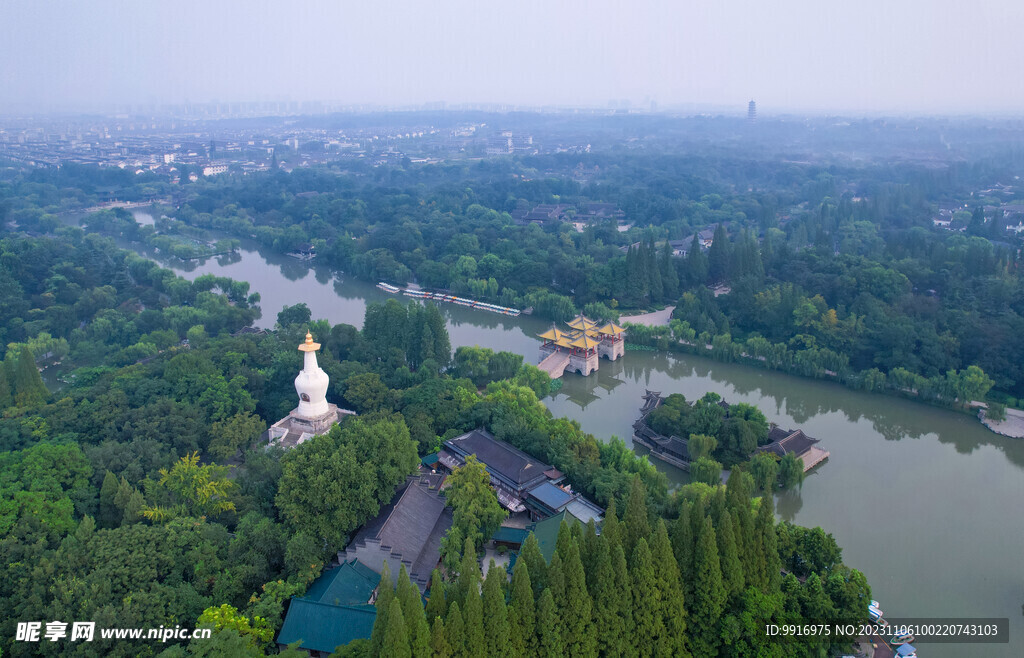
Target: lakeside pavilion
(578, 348)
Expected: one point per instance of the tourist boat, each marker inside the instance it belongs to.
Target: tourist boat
(902, 638)
(387, 287)
(874, 613)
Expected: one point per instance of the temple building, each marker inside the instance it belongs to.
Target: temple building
(314, 415)
(578, 348)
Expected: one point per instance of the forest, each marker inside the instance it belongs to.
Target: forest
(137, 493)
(829, 270)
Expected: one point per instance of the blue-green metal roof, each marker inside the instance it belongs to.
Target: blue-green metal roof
(352, 583)
(323, 627)
(511, 535)
(429, 460)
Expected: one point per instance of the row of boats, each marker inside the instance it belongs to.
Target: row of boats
(901, 641)
(442, 297)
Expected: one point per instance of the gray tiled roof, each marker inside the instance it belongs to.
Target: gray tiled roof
(499, 457)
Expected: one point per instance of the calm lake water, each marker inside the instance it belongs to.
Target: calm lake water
(919, 498)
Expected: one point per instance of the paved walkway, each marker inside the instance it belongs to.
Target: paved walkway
(554, 364)
(1012, 426)
(655, 319)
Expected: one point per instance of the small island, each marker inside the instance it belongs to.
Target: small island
(722, 434)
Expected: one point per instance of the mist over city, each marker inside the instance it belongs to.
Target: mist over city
(523, 329)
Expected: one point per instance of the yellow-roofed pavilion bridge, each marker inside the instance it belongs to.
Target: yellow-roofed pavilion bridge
(578, 348)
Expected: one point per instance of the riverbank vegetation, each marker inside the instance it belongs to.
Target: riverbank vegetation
(139, 493)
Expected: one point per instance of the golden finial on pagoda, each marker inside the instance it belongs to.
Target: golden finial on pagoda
(309, 345)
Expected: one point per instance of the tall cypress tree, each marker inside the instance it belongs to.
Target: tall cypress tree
(385, 594)
(708, 594)
(682, 548)
(577, 615)
(521, 613)
(670, 588)
(563, 541)
(29, 388)
(764, 530)
(534, 559)
(636, 522)
(396, 640)
(646, 603)
(439, 641)
(469, 576)
(412, 613)
(655, 284)
(436, 604)
(611, 529)
(442, 351)
(733, 577)
(608, 625)
(476, 645)
(6, 397)
(588, 553)
(669, 276)
(496, 631)
(624, 594)
(549, 639)
(719, 256)
(696, 263)
(109, 515)
(455, 632)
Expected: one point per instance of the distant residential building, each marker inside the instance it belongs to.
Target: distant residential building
(213, 170)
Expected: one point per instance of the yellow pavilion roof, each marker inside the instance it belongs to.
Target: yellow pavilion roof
(611, 329)
(584, 343)
(551, 334)
(581, 322)
(563, 341)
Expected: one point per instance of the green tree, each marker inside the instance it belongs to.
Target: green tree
(521, 613)
(764, 467)
(234, 433)
(476, 511)
(670, 594)
(706, 470)
(647, 604)
(412, 613)
(455, 633)
(438, 640)
(791, 471)
(577, 613)
(495, 613)
(385, 595)
(258, 631)
(298, 314)
(395, 643)
(109, 514)
(635, 521)
(29, 388)
(701, 445)
(436, 604)
(192, 489)
(476, 645)
(719, 255)
(549, 639)
(733, 578)
(708, 592)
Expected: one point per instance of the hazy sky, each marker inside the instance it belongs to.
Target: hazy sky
(932, 56)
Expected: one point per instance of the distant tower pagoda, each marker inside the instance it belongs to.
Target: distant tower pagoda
(751, 111)
(314, 415)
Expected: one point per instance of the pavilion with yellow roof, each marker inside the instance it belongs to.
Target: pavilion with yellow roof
(580, 346)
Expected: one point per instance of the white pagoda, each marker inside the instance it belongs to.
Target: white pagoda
(314, 415)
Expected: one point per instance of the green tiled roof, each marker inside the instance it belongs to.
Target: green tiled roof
(546, 532)
(322, 627)
(511, 535)
(352, 583)
(334, 610)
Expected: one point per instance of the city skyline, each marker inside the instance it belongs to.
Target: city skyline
(914, 58)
